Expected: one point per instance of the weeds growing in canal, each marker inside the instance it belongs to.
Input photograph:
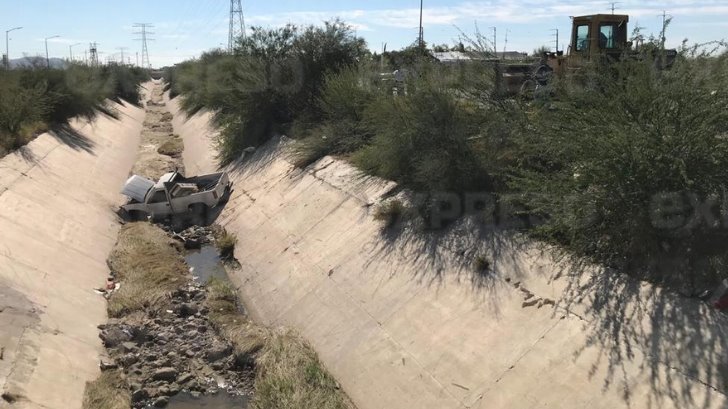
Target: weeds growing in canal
(108, 391)
(149, 264)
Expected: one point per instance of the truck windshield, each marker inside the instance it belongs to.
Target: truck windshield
(582, 37)
(158, 197)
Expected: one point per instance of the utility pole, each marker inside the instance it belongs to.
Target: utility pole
(495, 44)
(70, 50)
(122, 53)
(137, 58)
(614, 5)
(48, 60)
(7, 47)
(237, 24)
(556, 34)
(421, 34)
(145, 37)
(505, 44)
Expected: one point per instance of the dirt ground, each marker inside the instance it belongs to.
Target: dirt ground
(158, 133)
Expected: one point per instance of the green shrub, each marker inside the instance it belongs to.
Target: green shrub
(18, 106)
(38, 98)
(600, 159)
(344, 101)
(425, 141)
(274, 77)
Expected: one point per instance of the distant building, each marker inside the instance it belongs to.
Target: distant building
(511, 55)
(455, 57)
(451, 57)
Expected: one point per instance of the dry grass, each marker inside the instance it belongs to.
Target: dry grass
(108, 391)
(289, 373)
(247, 337)
(172, 147)
(149, 266)
(226, 243)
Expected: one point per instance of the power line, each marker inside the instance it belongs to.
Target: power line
(145, 50)
(237, 23)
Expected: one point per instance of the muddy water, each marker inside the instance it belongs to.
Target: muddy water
(206, 264)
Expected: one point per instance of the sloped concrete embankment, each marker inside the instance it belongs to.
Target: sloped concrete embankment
(57, 226)
(402, 321)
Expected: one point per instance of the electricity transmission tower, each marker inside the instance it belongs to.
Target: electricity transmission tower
(93, 49)
(237, 23)
(145, 37)
(122, 49)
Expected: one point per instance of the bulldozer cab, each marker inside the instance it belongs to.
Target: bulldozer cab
(598, 35)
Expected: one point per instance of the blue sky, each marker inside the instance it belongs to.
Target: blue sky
(184, 28)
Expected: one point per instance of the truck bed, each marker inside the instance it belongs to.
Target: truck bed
(203, 183)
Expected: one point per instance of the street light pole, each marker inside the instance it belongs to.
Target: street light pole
(70, 50)
(421, 34)
(48, 60)
(7, 47)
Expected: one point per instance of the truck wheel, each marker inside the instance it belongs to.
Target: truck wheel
(528, 88)
(137, 216)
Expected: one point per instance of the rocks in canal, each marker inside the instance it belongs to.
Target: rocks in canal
(218, 351)
(128, 346)
(165, 374)
(186, 309)
(161, 401)
(107, 363)
(114, 336)
(185, 378)
(140, 395)
(172, 350)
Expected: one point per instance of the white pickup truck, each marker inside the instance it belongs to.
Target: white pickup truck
(174, 195)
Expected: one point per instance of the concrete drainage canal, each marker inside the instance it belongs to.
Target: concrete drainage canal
(171, 306)
(177, 336)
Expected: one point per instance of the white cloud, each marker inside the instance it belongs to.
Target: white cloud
(501, 11)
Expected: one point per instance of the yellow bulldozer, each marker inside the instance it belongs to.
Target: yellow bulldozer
(595, 39)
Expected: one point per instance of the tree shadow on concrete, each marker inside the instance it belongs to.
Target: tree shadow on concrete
(72, 138)
(640, 332)
(27, 155)
(677, 343)
(437, 258)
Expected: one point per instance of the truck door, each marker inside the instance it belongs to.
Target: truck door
(158, 204)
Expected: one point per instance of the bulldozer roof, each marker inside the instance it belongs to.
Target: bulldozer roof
(603, 17)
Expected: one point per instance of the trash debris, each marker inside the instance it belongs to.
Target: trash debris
(111, 287)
